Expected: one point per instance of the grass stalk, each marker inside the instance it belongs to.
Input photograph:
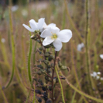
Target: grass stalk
(71, 21)
(60, 85)
(79, 91)
(29, 60)
(3, 94)
(87, 47)
(74, 70)
(13, 48)
(84, 94)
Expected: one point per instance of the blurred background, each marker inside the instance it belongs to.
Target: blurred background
(66, 14)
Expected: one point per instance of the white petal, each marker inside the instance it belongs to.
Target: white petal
(33, 24)
(80, 46)
(41, 22)
(52, 25)
(94, 74)
(101, 56)
(3, 40)
(99, 73)
(55, 30)
(44, 25)
(28, 28)
(57, 44)
(65, 35)
(46, 33)
(47, 41)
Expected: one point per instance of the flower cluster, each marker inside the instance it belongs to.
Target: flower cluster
(50, 33)
(48, 36)
(96, 75)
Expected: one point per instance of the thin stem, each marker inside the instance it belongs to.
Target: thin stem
(29, 60)
(13, 47)
(2, 92)
(53, 76)
(74, 71)
(84, 94)
(86, 43)
(71, 21)
(60, 85)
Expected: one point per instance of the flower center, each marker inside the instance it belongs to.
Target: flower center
(54, 36)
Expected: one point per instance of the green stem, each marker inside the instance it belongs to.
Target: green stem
(84, 94)
(29, 59)
(80, 92)
(13, 49)
(2, 92)
(60, 85)
(87, 46)
(74, 70)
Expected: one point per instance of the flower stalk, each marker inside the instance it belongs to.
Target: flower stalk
(53, 70)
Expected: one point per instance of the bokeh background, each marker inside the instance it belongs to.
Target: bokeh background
(76, 54)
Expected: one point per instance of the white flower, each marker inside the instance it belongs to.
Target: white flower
(14, 8)
(101, 78)
(101, 56)
(97, 77)
(3, 40)
(80, 46)
(35, 26)
(55, 36)
(24, 12)
(94, 74)
(99, 73)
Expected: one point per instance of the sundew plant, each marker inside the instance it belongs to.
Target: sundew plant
(51, 51)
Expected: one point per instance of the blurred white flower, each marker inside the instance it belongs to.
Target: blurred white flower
(35, 26)
(99, 73)
(80, 46)
(101, 56)
(96, 75)
(14, 8)
(24, 12)
(55, 36)
(101, 78)
(3, 40)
